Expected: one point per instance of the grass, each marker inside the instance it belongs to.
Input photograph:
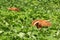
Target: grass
(17, 25)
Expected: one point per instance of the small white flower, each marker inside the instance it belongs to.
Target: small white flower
(21, 34)
(35, 7)
(34, 37)
(1, 31)
(48, 11)
(13, 21)
(22, 26)
(32, 5)
(6, 23)
(29, 33)
(57, 32)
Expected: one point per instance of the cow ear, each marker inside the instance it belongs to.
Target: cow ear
(38, 25)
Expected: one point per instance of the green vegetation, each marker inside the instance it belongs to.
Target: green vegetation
(17, 25)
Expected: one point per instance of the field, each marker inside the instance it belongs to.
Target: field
(17, 25)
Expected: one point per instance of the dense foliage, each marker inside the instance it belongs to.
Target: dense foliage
(17, 25)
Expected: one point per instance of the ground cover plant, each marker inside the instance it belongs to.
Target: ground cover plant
(17, 25)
